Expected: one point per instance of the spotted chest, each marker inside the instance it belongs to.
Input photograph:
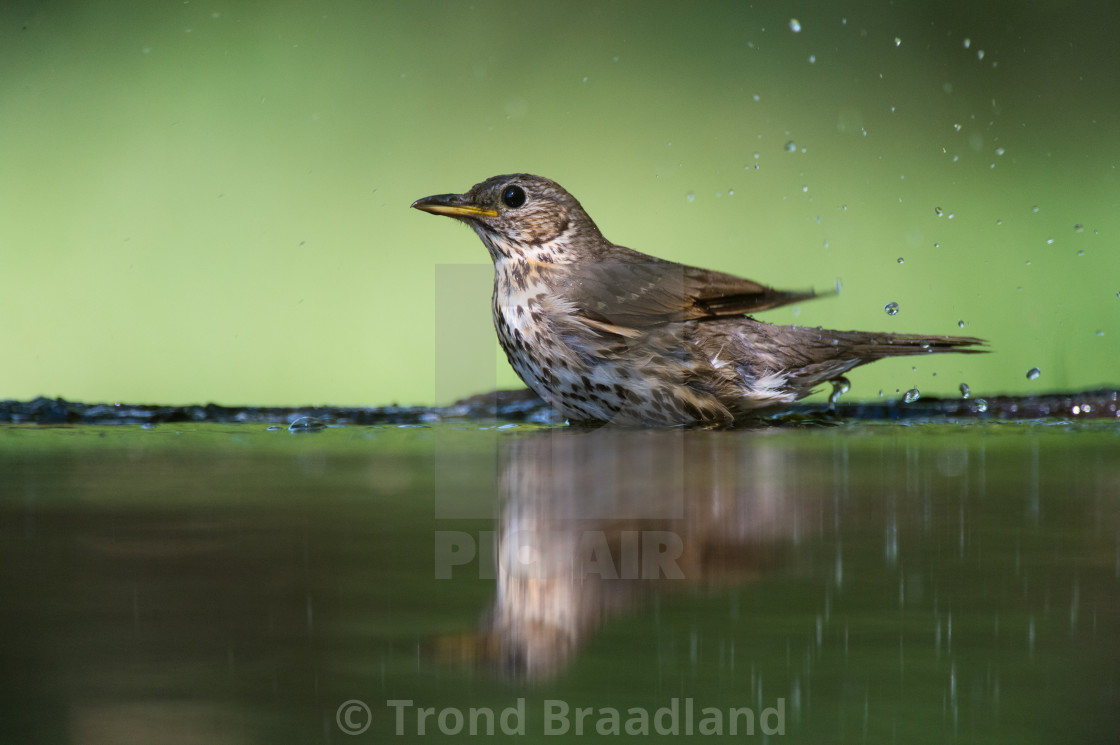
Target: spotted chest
(526, 330)
(583, 372)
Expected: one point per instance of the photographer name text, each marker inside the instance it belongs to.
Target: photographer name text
(678, 717)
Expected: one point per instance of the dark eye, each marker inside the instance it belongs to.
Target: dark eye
(513, 196)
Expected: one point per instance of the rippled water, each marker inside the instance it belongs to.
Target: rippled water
(858, 583)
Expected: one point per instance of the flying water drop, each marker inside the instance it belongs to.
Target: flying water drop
(891, 308)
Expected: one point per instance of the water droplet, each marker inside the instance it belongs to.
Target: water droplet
(960, 324)
(840, 287)
(1078, 227)
(791, 147)
(951, 215)
(1080, 253)
(795, 25)
(901, 260)
(979, 54)
(585, 78)
(730, 192)
(911, 396)
(1049, 241)
(1100, 333)
(690, 197)
(897, 41)
(1033, 373)
(804, 189)
(937, 245)
(891, 308)
(307, 424)
(1034, 209)
(967, 42)
(840, 386)
(812, 59)
(981, 405)
(957, 127)
(937, 211)
(965, 390)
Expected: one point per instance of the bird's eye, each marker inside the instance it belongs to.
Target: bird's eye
(513, 196)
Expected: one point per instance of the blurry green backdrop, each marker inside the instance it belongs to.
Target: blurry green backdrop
(209, 201)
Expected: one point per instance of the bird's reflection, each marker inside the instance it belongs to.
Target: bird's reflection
(592, 521)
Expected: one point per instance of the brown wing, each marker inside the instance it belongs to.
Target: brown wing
(629, 289)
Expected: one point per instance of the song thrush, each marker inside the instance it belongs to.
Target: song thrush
(605, 333)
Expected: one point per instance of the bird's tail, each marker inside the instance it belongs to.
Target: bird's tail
(833, 353)
(872, 346)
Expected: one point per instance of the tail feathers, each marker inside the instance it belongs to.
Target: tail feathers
(873, 346)
(834, 353)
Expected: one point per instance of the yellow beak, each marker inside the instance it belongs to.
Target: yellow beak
(447, 204)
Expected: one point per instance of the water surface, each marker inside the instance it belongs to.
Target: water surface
(868, 582)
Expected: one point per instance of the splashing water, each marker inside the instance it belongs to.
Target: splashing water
(840, 386)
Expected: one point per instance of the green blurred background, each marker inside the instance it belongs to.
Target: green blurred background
(208, 201)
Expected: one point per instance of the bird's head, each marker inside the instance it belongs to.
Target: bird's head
(518, 215)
